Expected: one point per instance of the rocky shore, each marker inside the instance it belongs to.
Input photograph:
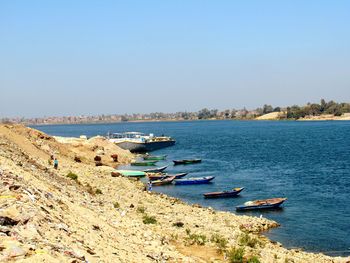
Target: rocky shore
(81, 213)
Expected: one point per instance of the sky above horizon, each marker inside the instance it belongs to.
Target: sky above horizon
(104, 57)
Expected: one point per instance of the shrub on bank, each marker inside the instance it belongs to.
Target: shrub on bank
(178, 224)
(141, 209)
(72, 176)
(246, 240)
(89, 189)
(220, 241)
(253, 259)
(146, 219)
(198, 239)
(235, 255)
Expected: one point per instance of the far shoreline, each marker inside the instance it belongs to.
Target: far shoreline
(202, 120)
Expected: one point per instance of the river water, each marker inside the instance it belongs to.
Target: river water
(307, 162)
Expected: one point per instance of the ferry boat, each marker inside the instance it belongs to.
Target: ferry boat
(139, 142)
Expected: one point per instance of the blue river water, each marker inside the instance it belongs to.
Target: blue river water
(307, 162)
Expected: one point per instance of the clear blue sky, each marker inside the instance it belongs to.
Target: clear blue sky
(92, 57)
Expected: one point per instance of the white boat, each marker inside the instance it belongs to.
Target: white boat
(139, 142)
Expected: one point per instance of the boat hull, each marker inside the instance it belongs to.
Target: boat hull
(131, 173)
(165, 181)
(145, 146)
(177, 162)
(156, 170)
(260, 207)
(148, 163)
(224, 194)
(189, 181)
(157, 158)
(156, 177)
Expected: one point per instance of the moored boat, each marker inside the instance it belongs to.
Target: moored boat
(146, 163)
(131, 173)
(187, 161)
(139, 142)
(179, 175)
(155, 157)
(156, 170)
(194, 180)
(158, 176)
(272, 203)
(164, 181)
(232, 193)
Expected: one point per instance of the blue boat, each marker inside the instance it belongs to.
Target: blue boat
(194, 180)
(272, 203)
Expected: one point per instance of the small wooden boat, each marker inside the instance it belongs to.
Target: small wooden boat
(187, 161)
(156, 170)
(154, 157)
(194, 180)
(146, 163)
(232, 193)
(178, 176)
(131, 173)
(272, 203)
(158, 176)
(164, 181)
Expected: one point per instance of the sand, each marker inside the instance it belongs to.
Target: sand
(327, 117)
(271, 116)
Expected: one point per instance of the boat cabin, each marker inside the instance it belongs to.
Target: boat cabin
(129, 135)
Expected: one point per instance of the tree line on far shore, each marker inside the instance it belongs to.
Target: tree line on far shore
(315, 109)
(292, 112)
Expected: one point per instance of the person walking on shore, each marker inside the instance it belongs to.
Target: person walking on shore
(149, 185)
(55, 163)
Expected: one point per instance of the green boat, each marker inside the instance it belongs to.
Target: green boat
(147, 163)
(154, 157)
(131, 173)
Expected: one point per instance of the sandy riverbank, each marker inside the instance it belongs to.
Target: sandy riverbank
(324, 117)
(327, 117)
(271, 116)
(47, 217)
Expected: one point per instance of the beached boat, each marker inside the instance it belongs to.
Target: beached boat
(139, 142)
(232, 193)
(194, 180)
(156, 170)
(261, 204)
(154, 157)
(164, 181)
(158, 176)
(131, 173)
(179, 175)
(187, 161)
(146, 163)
